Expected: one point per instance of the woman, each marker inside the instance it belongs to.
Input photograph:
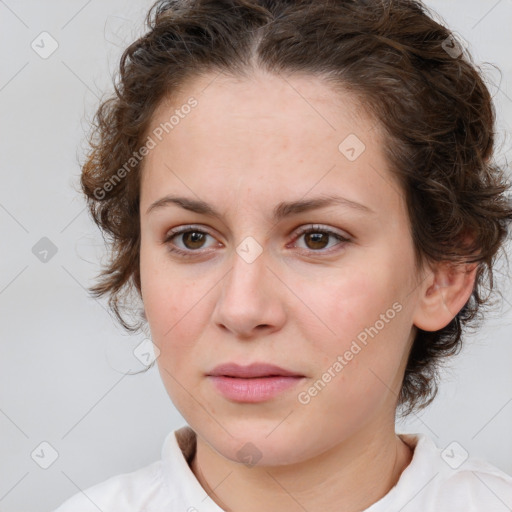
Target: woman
(302, 196)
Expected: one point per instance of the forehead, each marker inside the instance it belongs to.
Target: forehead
(265, 101)
(269, 134)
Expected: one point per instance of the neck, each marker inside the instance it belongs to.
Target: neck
(349, 477)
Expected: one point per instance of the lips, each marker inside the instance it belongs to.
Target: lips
(257, 382)
(252, 371)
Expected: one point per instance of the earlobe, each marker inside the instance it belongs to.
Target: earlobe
(443, 294)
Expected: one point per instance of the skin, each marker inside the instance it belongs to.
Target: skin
(249, 144)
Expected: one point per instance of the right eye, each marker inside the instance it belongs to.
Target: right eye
(192, 238)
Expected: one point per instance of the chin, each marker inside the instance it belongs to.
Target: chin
(260, 443)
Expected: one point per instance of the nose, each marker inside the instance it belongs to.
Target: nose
(250, 303)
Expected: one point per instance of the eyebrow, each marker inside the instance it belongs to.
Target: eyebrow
(282, 210)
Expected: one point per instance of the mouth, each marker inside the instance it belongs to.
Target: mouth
(252, 371)
(257, 382)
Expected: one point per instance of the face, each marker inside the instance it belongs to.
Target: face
(333, 306)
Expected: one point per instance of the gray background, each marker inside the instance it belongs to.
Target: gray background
(64, 360)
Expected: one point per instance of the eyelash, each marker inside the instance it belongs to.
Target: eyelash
(190, 253)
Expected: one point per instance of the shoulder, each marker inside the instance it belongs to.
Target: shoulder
(450, 480)
(476, 485)
(167, 484)
(129, 492)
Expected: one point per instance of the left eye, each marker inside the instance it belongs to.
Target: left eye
(316, 238)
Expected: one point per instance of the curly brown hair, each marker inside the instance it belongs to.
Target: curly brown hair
(408, 71)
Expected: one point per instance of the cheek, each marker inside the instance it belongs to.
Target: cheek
(175, 315)
(349, 303)
(168, 297)
(367, 330)
(178, 306)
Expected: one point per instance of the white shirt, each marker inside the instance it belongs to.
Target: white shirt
(434, 481)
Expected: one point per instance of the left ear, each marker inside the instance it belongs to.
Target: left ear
(443, 294)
